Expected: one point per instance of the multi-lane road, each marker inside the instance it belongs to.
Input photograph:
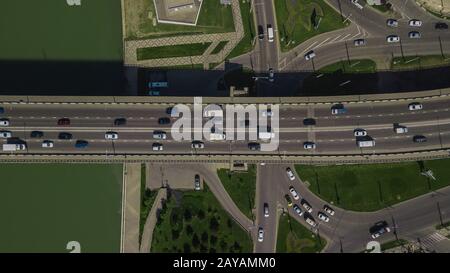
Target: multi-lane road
(333, 134)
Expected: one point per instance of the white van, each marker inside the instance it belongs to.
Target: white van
(270, 32)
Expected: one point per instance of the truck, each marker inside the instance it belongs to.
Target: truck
(270, 33)
(365, 143)
(14, 147)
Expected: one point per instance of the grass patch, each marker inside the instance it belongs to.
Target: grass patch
(393, 244)
(219, 47)
(241, 187)
(386, 8)
(297, 20)
(171, 51)
(194, 222)
(147, 199)
(44, 206)
(420, 62)
(140, 14)
(376, 186)
(245, 45)
(51, 30)
(295, 238)
(445, 225)
(355, 66)
(180, 67)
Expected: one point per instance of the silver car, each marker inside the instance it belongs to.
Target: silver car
(414, 35)
(359, 42)
(260, 234)
(393, 39)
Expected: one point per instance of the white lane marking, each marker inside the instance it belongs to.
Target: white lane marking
(337, 37)
(324, 41)
(344, 37)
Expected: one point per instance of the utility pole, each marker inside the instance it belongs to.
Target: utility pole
(440, 213)
(346, 50)
(440, 46)
(340, 10)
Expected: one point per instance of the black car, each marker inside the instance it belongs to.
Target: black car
(163, 121)
(419, 138)
(65, 136)
(260, 32)
(441, 25)
(36, 134)
(120, 121)
(378, 229)
(197, 182)
(309, 122)
(169, 110)
(254, 146)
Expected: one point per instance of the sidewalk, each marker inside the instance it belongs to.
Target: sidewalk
(132, 202)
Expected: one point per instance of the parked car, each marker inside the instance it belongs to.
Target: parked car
(293, 193)
(288, 200)
(260, 234)
(290, 173)
(328, 210)
(5, 134)
(414, 34)
(359, 132)
(419, 138)
(393, 39)
(36, 134)
(310, 55)
(197, 182)
(441, 25)
(306, 205)
(254, 146)
(157, 147)
(111, 135)
(359, 42)
(298, 210)
(379, 229)
(392, 22)
(196, 144)
(4, 122)
(308, 145)
(64, 135)
(47, 144)
(120, 121)
(415, 23)
(310, 221)
(159, 135)
(415, 106)
(266, 210)
(322, 216)
(164, 121)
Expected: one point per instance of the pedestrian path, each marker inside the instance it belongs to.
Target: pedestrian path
(430, 240)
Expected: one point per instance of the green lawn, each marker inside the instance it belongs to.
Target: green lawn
(381, 8)
(51, 30)
(419, 62)
(147, 199)
(355, 66)
(219, 47)
(245, 45)
(193, 222)
(171, 51)
(294, 238)
(373, 187)
(241, 187)
(393, 244)
(213, 18)
(44, 206)
(295, 20)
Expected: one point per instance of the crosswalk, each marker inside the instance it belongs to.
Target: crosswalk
(432, 239)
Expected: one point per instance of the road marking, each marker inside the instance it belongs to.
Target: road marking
(321, 43)
(344, 37)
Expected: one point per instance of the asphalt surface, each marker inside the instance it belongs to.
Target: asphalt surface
(348, 231)
(266, 52)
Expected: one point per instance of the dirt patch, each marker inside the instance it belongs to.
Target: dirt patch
(436, 6)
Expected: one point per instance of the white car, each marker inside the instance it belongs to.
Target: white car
(4, 122)
(393, 39)
(311, 222)
(328, 210)
(266, 210)
(157, 147)
(159, 135)
(322, 216)
(309, 145)
(298, 210)
(111, 135)
(415, 106)
(359, 132)
(355, 2)
(5, 134)
(359, 42)
(310, 55)
(290, 174)
(307, 206)
(267, 113)
(47, 144)
(260, 234)
(415, 23)
(294, 193)
(197, 145)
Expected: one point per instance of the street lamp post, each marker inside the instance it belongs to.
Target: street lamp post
(346, 50)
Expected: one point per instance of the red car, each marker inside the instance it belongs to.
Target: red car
(64, 121)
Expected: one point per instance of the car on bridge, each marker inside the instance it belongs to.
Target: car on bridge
(5, 134)
(393, 39)
(157, 147)
(36, 134)
(290, 173)
(267, 113)
(298, 210)
(294, 193)
(415, 106)
(254, 146)
(47, 144)
(111, 136)
(415, 23)
(120, 121)
(338, 109)
(64, 135)
(309, 145)
(163, 121)
(64, 122)
(392, 22)
(159, 135)
(419, 138)
(414, 35)
(358, 132)
(81, 144)
(379, 229)
(309, 122)
(4, 122)
(197, 144)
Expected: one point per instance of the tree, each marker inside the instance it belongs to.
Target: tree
(189, 230)
(175, 234)
(204, 237)
(223, 245)
(201, 214)
(314, 18)
(214, 224)
(187, 248)
(229, 223)
(187, 215)
(212, 250)
(203, 249)
(195, 241)
(213, 240)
